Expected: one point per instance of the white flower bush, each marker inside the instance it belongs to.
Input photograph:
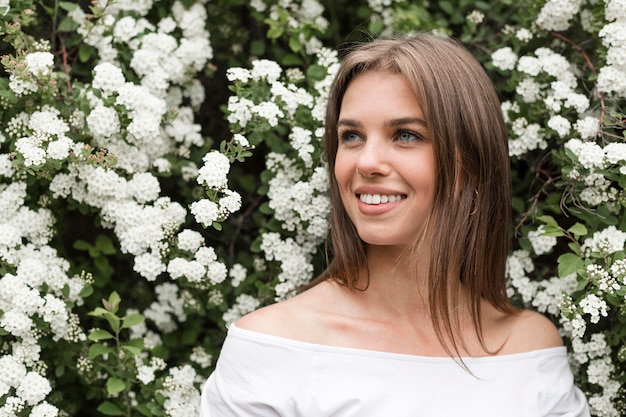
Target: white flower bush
(161, 175)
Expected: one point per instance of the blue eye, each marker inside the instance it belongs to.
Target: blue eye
(407, 136)
(348, 136)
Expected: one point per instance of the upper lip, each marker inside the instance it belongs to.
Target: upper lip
(374, 190)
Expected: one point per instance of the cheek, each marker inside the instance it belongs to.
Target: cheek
(342, 170)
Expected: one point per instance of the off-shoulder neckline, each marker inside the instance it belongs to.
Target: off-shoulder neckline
(270, 339)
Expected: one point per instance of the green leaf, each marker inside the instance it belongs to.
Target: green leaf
(132, 349)
(550, 230)
(105, 245)
(569, 263)
(98, 349)
(82, 245)
(144, 410)
(86, 291)
(257, 47)
(294, 44)
(110, 409)
(115, 385)
(447, 7)
(99, 334)
(66, 5)
(98, 312)
(316, 72)
(275, 31)
(132, 320)
(578, 230)
(113, 303)
(85, 52)
(549, 220)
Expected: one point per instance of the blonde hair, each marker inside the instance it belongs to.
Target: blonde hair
(469, 223)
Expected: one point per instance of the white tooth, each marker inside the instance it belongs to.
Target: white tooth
(392, 198)
(369, 199)
(376, 199)
(384, 198)
(363, 198)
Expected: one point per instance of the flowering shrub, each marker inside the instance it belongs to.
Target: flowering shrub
(161, 175)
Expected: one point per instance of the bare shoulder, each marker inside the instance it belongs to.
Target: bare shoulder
(294, 318)
(533, 331)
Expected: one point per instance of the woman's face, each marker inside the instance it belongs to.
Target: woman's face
(385, 166)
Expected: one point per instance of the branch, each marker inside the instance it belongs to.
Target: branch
(589, 64)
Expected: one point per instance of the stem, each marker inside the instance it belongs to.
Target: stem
(535, 200)
(589, 64)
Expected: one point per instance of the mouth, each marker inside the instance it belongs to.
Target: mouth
(375, 199)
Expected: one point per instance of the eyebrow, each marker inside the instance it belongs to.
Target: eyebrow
(389, 123)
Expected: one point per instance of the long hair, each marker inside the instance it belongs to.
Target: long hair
(469, 224)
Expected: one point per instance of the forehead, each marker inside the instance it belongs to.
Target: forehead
(380, 92)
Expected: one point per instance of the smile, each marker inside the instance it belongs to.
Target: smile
(380, 198)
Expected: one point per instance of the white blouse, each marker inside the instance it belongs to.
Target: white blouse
(262, 375)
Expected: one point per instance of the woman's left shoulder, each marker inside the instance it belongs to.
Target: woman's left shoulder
(530, 330)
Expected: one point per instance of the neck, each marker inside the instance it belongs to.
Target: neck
(396, 281)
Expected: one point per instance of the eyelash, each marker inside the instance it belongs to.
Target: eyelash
(344, 135)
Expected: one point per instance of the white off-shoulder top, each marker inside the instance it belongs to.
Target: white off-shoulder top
(262, 375)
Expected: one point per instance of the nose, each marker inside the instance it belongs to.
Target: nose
(373, 158)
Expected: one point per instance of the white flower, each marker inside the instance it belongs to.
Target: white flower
(13, 372)
(560, 125)
(615, 152)
(31, 150)
(238, 74)
(524, 34)
(578, 326)
(205, 212)
(201, 357)
(611, 79)
(243, 305)
(589, 154)
(241, 140)
(475, 17)
(6, 166)
(269, 111)
(145, 374)
(144, 187)
(217, 272)
(587, 127)
(60, 148)
(504, 58)
(264, 68)
(606, 241)
(213, 173)
(189, 240)
(206, 255)
(541, 244)
(237, 274)
(556, 14)
(33, 388)
(39, 63)
(44, 409)
(529, 65)
(145, 126)
(108, 78)
(149, 266)
(239, 110)
(529, 89)
(231, 202)
(103, 121)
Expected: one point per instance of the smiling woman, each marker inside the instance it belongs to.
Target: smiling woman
(412, 309)
(384, 166)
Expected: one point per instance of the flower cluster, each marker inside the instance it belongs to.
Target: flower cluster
(127, 165)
